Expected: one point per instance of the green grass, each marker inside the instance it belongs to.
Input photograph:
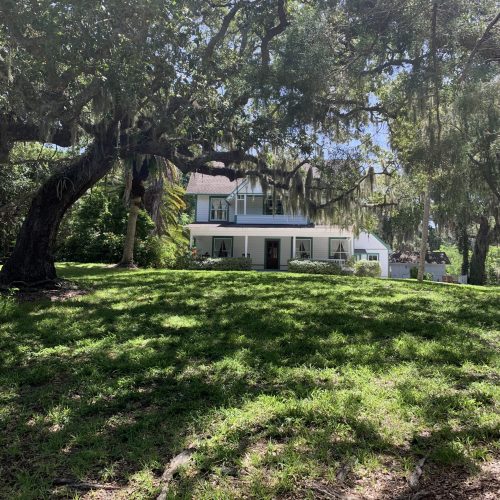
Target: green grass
(277, 379)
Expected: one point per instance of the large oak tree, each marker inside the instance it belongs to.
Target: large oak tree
(238, 88)
(212, 87)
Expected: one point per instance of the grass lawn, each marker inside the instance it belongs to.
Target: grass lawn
(287, 386)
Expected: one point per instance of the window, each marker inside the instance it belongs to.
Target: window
(218, 209)
(240, 200)
(338, 249)
(373, 256)
(269, 209)
(303, 248)
(222, 247)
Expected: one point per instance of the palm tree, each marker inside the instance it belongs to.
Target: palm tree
(163, 199)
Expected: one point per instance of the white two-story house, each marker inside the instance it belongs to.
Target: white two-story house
(236, 219)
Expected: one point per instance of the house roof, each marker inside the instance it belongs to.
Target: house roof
(408, 257)
(220, 184)
(210, 184)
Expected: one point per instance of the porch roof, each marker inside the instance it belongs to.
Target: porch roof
(228, 229)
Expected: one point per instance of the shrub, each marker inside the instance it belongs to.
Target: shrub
(216, 264)
(155, 251)
(493, 266)
(414, 274)
(314, 267)
(367, 268)
(348, 271)
(94, 231)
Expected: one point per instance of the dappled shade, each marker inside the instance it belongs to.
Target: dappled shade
(276, 378)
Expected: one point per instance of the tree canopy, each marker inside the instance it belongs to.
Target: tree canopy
(243, 88)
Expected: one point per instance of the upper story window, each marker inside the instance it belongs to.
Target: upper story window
(338, 249)
(373, 256)
(303, 248)
(270, 209)
(240, 200)
(218, 208)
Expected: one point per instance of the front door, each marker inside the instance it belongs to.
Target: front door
(272, 254)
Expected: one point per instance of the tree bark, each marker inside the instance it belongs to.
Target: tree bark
(464, 248)
(481, 247)
(32, 261)
(128, 245)
(137, 190)
(425, 233)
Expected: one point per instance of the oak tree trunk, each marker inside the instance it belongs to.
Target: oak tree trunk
(425, 233)
(478, 260)
(464, 247)
(32, 261)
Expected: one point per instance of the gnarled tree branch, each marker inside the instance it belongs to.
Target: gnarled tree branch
(272, 33)
(219, 36)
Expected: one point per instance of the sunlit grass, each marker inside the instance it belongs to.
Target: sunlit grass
(275, 378)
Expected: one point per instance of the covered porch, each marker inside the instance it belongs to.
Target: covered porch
(271, 247)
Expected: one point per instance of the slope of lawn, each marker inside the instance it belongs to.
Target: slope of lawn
(286, 386)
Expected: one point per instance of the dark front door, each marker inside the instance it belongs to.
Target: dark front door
(272, 254)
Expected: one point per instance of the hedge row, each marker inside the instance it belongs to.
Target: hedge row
(221, 264)
(361, 268)
(314, 267)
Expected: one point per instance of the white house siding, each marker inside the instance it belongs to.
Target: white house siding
(256, 248)
(203, 245)
(320, 248)
(257, 235)
(202, 207)
(402, 271)
(368, 242)
(231, 212)
(254, 207)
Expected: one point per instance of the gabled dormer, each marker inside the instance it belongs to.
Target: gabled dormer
(219, 200)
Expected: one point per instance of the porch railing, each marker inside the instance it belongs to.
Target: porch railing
(271, 219)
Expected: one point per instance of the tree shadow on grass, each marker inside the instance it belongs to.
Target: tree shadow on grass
(116, 382)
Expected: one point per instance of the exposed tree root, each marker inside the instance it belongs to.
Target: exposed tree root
(48, 284)
(414, 478)
(83, 485)
(54, 290)
(123, 265)
(178, 461)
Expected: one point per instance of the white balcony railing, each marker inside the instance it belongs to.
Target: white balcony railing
(271, 219)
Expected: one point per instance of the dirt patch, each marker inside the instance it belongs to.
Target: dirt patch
(459, 484)
(57, 291)
(436, 484)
